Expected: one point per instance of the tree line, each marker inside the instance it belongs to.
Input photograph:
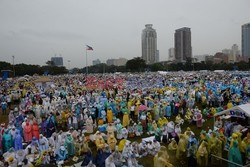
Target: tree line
(28, 69)
(136, 64)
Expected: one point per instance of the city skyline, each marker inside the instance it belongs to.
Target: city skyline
(33, 31)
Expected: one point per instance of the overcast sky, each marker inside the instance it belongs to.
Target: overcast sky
(35, 30)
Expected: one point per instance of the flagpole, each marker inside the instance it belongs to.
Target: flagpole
(86, 63)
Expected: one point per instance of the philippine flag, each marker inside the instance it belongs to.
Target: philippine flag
(88, 47)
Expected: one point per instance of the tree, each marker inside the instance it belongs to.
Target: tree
(50, 63)
(157, 67)
(136, 64)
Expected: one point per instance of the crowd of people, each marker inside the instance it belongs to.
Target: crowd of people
(145, 115)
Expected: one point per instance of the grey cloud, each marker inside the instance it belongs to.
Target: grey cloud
(51, 34)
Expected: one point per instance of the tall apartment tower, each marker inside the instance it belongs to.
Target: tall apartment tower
(234, 53)
(183, 48)
(245, 40)
(149, 44)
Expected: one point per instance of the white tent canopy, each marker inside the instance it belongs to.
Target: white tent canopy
(237, 111)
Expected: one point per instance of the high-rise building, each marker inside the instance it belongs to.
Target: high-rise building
(57, 61)
(149, 44)
(171, 54)
(234, 53)
(95, 62)
(157, 56)
(183, 48)
(245, 39)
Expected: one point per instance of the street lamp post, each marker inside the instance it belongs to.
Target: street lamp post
(13, 58)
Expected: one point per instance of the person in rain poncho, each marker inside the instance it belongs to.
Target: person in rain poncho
(118, 127)
(89, 125)
(20, 155)
(110, 129)
(161, 158)
(156, 146)
(109, 115)
(43, 159)
(50, 126)
(202, 154)
(69, 145)
(7, 141)
(100, 143)
(62, 154)
(18, 141)
(158, 134)
(173, 145)
(168, 111)
(112, 142)
(182, 146)
(125, 119)
(234, 155)
(43, 143)
(85, 144)
(143, 148)
(27, 132)
(139, 129)
(35, 130)
(124, 133)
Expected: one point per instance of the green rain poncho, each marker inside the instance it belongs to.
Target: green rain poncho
(69, 145)
(158, 134)
(234, 155)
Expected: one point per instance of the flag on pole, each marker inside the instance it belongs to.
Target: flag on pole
(88, 47)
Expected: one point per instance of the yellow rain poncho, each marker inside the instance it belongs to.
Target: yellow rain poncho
(211, 143)
(229, 105)
(234, 137)
(243, 145)
(182, 146)
(177, 118)
(160, 122)
(213, 111)
(161, 158)
(112, 142)
(100, 143)
(125, 119)
(223, 140)
(137, 107)
(188, 132)
(172, 146)
(40, 159)
(165, 121)
(129, 105)
(121, 144)
(109, 115)
(202, 155)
